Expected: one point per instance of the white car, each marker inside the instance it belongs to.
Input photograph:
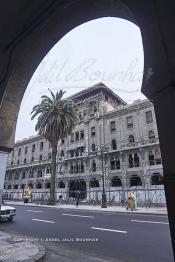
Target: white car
(7, 213)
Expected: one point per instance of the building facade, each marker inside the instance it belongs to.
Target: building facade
(112, 142)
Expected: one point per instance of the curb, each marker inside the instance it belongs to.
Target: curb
(90, 210)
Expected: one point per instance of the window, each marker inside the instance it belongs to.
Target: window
(72, 137)
(61, 184)
(151, 158)
(12, 163)
(82, 135)
(156, 179)
(25, 160)
(19, 151)
(131, 139)
(129, 122)
(39, 173)
(18, 162)
(39, 186)
(22, 186)
(62, 141)
(149, 117)
(116, 182)
(158, 159)
(41, 145)
(13, 153)
(62, 153)
(112, 162)
(92, 131)
(77, 136)
(23, 175)
(49, 156)
(40, 158)
(32, 159)
(112, 126)
(33, 148)
(25, 151)
(9, 187)
(15, 186)
(136, 160)
(94, 183)
(31, 174)
(135, 181)
(93, 147)
(93, 165)
(16, 176)
(113, 144)
(82, 167)
(130, 161)
(47, 185)
(71, 153)
(151, 136)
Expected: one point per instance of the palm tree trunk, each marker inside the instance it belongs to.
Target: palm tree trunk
(53, 174)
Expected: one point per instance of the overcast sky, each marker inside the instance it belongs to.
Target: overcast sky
(107, 50)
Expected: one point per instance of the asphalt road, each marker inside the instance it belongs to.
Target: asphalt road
(109, 236)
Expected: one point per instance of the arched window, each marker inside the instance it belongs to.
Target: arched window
(131, 139)
(94, 183)
(135, 181)
(151, 135)
(93, 165)
(112, 163)
(136, 160)
(61, 184)
(130, 161)
(156, 179)
(151, 158)
(113, 144)
(116, 182)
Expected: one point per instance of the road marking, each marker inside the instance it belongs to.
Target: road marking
(45, 221)
(111, 230)
(151, 222)
(76, 215)
(34, 211)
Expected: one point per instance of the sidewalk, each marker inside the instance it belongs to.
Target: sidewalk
(117, 209)
(15, 249)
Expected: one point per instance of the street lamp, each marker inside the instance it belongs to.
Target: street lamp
(102, 151)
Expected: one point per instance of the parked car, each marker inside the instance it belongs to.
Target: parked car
(7, 213)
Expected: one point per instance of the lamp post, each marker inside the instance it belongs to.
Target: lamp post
(102, 151)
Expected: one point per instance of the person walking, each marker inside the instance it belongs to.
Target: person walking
(130, 201)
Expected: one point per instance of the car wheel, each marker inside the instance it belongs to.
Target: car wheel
(10, 219)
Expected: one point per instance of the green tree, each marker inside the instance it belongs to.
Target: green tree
(56, 120)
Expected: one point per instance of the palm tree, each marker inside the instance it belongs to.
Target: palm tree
(56, 119)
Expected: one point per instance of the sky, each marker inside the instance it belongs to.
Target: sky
(107, 50)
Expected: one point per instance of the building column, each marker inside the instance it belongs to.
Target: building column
(164, 104)
(3, 164)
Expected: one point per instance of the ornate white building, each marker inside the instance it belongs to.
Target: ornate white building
(111, 141)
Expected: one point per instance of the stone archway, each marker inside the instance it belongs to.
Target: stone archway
(34, 32)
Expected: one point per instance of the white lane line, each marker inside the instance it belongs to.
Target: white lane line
(45, 221)
(151, 222)
(34, 211)
(110, 230)
(76, 215)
